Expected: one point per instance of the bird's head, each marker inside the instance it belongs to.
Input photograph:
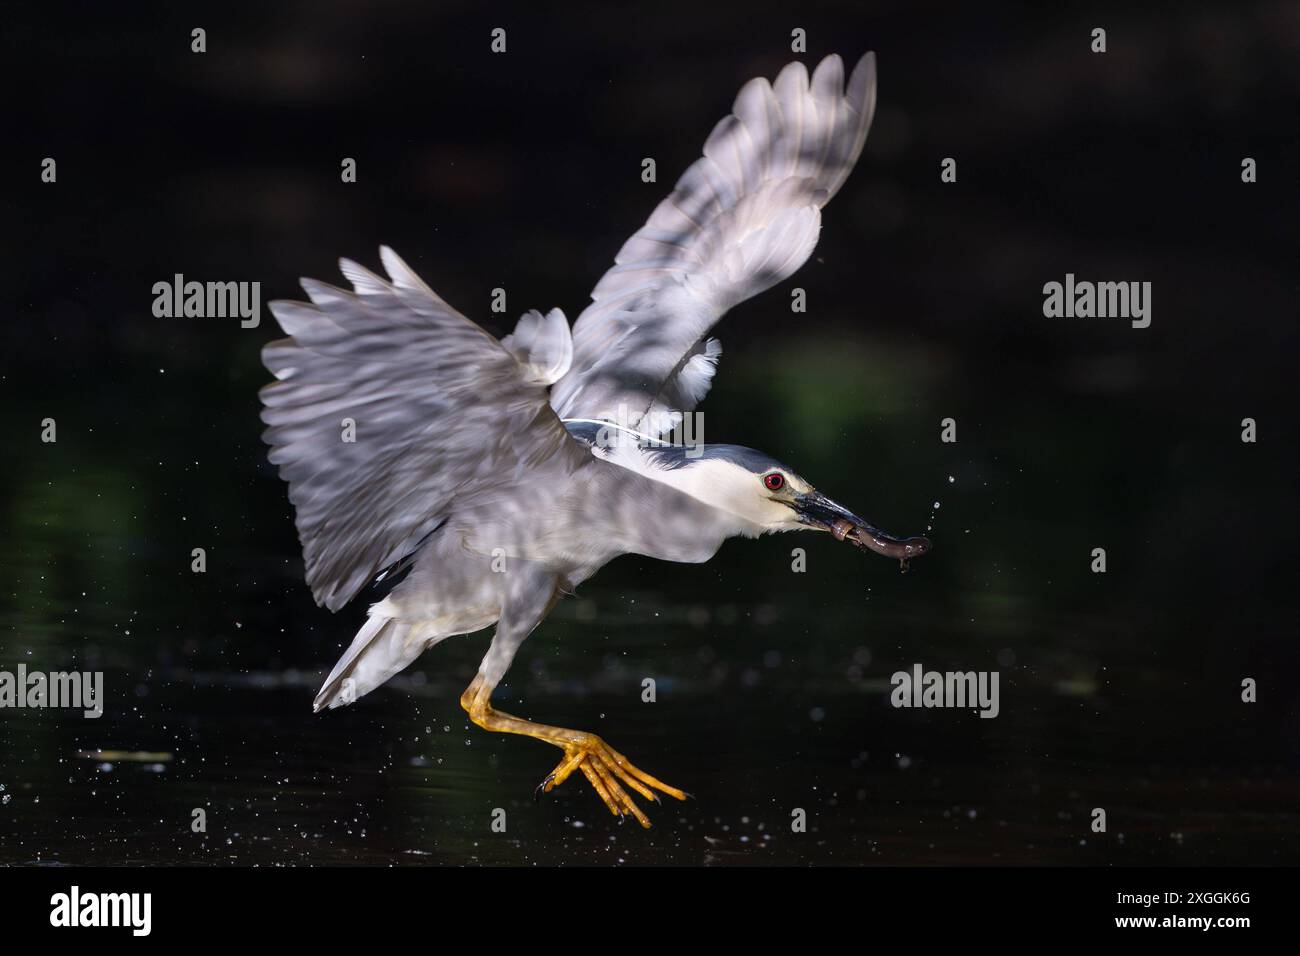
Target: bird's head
(773, 497)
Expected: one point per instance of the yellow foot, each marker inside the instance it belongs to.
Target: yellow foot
(605, 767)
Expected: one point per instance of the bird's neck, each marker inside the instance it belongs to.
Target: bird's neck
(701, 483)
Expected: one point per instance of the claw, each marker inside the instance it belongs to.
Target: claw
(611, 775)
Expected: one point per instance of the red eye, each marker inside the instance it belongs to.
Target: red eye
(775, 481)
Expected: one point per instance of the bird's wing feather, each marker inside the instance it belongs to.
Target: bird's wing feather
(542, 344)
(442, 414)
(742, 218)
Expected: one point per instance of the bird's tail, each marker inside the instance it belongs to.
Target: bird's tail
(383, 647)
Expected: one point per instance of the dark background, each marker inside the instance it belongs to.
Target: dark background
(522, 170)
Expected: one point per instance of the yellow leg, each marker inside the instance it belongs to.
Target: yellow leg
(607, 770)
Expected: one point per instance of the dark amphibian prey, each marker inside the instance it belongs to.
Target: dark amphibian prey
(418, 447)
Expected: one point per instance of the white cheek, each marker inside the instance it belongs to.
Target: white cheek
(724, 486)
(780, 517)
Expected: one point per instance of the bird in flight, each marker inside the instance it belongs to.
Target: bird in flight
(492, 477)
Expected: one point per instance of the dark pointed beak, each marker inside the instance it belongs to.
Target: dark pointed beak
(817, 510)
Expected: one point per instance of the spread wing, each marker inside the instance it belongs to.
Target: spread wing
(390, 409)
(742, 218)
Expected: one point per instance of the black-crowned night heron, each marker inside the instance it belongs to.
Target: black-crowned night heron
(499, 475)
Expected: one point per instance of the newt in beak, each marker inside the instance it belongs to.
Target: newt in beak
(818, 511)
